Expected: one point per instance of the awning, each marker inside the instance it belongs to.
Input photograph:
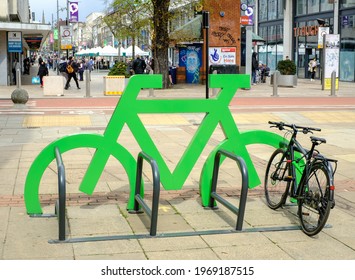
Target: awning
(191, 31)
(256, 38)
(33, 34)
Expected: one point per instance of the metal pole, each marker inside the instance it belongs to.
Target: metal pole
(68, 23)
(58, 54)
(18, 78)
(206, 26)
(275, 83)
(333, 84)
(87, 82)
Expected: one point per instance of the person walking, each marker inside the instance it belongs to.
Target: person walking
(254, 67)
(81, 70)
(138, 65)
(312, 67)
(42, 71)
(26, 66)
(15, 67)
(72, 69)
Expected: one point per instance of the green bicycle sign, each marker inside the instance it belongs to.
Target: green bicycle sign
(127, 113)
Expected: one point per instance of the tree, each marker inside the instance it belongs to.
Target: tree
(127, 18)
(143, 13)
(161, 17)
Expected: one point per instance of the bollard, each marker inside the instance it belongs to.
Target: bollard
(151, 90)
(87, 83)
(18, 78)
(333, 84)
(275, 83)
(215, 90)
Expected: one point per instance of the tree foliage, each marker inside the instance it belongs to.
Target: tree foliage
(127, 18)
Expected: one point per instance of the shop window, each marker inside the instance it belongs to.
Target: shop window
(347, 48)
(347, 62)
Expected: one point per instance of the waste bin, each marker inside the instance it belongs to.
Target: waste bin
(173, 74)
(224, 69)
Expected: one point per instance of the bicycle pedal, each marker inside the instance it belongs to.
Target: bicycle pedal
(288, 179)
(333, 204)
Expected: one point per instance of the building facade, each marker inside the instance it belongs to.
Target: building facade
(291, 28)
(18, 35)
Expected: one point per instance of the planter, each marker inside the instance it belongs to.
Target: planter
(285, 80)
(114, 85)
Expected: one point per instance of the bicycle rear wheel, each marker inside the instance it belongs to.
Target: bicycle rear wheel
(314, 203)
(276, 182)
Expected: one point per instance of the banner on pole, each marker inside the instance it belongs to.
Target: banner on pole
(73, 12)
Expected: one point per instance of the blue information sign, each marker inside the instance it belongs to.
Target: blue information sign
(14, 41)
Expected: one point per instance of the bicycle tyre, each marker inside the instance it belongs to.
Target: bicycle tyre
(315, 202)
(275, 185)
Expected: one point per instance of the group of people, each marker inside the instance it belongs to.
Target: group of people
(263, 71)
(259, 70)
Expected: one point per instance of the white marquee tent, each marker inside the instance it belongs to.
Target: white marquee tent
(137, 51)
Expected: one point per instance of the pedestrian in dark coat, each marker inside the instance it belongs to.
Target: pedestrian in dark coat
(42, 71)
(138, 65)
(73, 74)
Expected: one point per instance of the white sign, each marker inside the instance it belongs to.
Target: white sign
(249, 11)
(321, 32)
(66, 37)
(331, 55)
(224, 55)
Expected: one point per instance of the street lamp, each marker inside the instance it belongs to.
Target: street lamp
(58, 28)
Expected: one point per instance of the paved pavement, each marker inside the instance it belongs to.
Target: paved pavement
(25, 131)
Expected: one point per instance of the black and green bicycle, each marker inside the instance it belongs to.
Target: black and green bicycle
(304, 175)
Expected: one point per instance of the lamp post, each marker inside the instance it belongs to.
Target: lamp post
(206, 26)
(58, 43)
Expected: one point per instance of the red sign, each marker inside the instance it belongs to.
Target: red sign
(244, 20)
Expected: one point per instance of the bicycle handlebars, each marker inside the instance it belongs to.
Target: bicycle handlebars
(296, 128)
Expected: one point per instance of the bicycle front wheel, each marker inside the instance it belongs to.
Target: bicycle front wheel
(276, 182)
(314, 203)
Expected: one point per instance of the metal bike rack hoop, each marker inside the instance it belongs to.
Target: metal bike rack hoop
(61, 203)
(138, 200)
(244, 192)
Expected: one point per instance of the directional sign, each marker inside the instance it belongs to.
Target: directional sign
(14, 41)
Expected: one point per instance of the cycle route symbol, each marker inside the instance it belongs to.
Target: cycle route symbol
(127, 113)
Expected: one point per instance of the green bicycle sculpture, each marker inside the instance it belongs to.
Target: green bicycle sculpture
(126, 112)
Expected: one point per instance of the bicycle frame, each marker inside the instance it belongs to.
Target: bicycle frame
(298, 172)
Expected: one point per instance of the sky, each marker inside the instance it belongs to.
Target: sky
(49, 7)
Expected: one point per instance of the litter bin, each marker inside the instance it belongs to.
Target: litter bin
(173, 71)
(224, 69)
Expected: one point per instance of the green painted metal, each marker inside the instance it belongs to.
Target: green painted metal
(126, 112)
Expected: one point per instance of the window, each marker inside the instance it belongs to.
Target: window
(262, 10)
(313, 6)
(325, 5)
(301, 7)
(272, 9)
(347, 3)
